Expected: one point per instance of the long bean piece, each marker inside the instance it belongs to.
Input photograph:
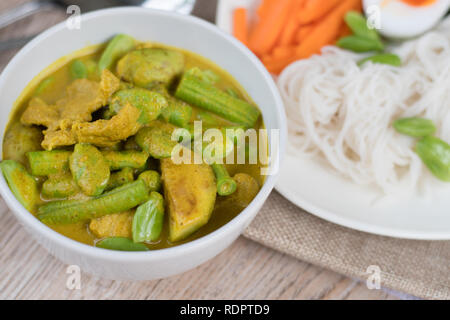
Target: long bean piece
(225, 184)
(120, 178)
(125, 159)
(117, 200)
(59, 186)
(199, 93)
(44, 163)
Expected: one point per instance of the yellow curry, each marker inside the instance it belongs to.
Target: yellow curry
(90, 149)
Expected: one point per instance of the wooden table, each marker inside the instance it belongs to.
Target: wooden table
(246, 270)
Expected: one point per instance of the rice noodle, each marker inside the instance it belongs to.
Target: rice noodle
(343, 114)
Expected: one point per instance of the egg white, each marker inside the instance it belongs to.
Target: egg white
(399, 20)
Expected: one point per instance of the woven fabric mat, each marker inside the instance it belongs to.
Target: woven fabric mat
(419, 268)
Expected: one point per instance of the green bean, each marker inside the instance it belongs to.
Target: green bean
(358, 24)
(44, 163)
(44, 85)
(152, 179)
(232, 134)
(78, 70)
(156, 139)
(415, 127)
(207, 75)
(225, 184)
(120, 244)
(117, 200)
(206, 96)
(120, 178)
(21, 183)
(116, 48)
(435, 154)
(59, 186)
(359, 44)
(125, 159)
(210, 120)
(148, 219)
(385, 58)
(89, 169)
(177, 112)
(150, 103)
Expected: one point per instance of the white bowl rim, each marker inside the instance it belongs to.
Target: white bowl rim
(152, 255)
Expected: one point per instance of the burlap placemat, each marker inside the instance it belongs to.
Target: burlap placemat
(420, 268)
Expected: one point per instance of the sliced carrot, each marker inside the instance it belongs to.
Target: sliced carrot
(267, 30)
(288, 34)
(240, 25)
(316, 9)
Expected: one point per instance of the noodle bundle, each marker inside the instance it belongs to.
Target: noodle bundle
(342, 114)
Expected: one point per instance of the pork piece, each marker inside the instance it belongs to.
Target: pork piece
(113, 225)
(40, 113)
(81, 99)
(106, 133)
(58, 138)
(102, 133)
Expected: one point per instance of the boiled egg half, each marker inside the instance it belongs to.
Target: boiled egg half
(402, 19)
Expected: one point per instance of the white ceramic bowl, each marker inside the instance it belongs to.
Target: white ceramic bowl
(144, 24)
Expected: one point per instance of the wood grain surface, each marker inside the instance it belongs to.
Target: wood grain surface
(245, 270)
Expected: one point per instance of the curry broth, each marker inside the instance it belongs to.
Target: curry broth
(60, 78)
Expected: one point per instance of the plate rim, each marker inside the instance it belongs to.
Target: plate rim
(325, 214)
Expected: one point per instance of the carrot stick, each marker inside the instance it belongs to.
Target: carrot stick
(264, 8)
(344, 31)
(292, 25)
(315, 9)
(282, 52)
(266, 32)
(240, 25)
(303, 32)
(325, 32)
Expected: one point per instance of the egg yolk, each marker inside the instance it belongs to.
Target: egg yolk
(419, 3)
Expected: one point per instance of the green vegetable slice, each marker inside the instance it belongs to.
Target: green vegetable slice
(435, 154)
(120, 244)
(384, 58)
(415, 127)
(148, 219)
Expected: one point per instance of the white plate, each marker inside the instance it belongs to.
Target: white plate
(224, 14)
(320, 191)
(327, 195)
